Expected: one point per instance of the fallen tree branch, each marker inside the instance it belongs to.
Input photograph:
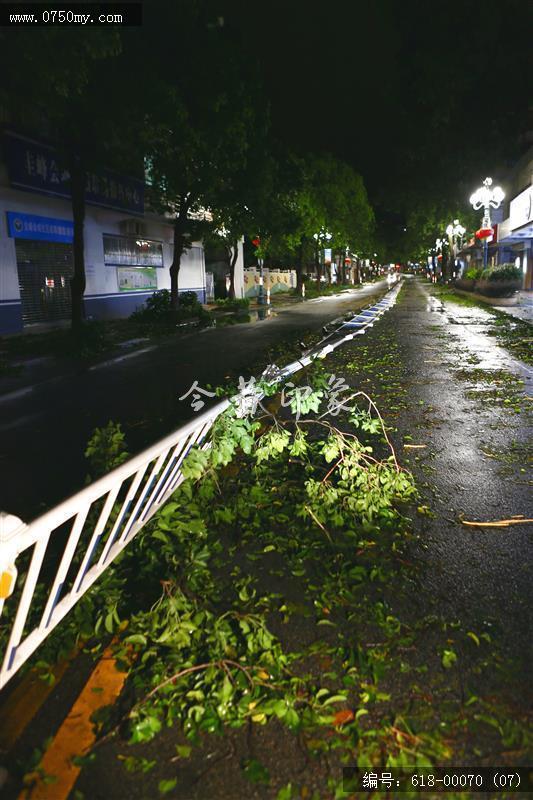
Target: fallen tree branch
(501, 523)
(319, 523)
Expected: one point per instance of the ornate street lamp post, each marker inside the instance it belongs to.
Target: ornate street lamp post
(439, 247)
(455, 231)
(485, 198)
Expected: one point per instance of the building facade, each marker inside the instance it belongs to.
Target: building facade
(128, 251)
(515, 232)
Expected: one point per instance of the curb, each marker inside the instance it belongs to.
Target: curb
(505, 305)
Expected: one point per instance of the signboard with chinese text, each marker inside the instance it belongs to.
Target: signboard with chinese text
(36, 167)
(32, 226)
(136, 279)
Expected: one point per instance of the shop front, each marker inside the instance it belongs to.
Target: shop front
(44, 258)
(127, 251)
(516, 235)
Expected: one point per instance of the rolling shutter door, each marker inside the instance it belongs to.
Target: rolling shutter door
(44, 270)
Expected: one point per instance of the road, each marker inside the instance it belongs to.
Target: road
(43, 434)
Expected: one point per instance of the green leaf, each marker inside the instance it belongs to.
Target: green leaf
(336, 698)
(256, 772)
(291, 718)
(133, 764)
(166, 786)
(136, 638)
(285, 793)
(145, 729)
(449, 658)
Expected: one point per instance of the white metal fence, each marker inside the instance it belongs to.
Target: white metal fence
(64, 551)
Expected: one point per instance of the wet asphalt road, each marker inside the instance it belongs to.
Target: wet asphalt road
(43, 435)
(479, 575)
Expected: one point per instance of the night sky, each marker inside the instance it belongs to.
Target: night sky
(423, 97)
(418, 96)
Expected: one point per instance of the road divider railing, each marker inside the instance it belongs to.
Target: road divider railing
(63, 552)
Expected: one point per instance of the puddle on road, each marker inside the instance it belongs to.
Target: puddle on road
(434, 305)
(472, 343)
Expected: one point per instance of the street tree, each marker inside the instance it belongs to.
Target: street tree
(239, 203)
(426, 222)
(201, 116)
(327, 198)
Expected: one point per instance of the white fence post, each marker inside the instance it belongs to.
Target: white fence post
(11, 528)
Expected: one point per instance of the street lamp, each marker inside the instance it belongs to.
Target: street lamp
(454, 230)
(485, 198)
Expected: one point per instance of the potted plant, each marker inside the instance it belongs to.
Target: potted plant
(468, 281)
(500, 281)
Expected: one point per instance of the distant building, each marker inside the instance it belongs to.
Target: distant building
(515, 232)
(128, 250)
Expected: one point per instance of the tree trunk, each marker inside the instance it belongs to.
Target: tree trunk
(233, 253)
(300, 267)
(321, 268)
(78, 282)
(450, 267)
(180, 227)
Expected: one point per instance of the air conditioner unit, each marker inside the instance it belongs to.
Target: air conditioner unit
(132, 227)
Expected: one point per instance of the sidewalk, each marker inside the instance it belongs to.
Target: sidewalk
(520, 305)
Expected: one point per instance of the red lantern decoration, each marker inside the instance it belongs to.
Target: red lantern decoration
(256, 242)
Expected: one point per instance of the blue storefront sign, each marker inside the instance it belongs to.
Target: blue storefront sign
(36, 167)
(31, 226)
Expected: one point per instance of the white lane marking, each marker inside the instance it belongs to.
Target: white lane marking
(117, 360)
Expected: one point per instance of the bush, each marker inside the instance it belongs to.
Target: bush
(502, 272)
(188, 300)
(473, 274)
(157, 309)
(238, 304)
